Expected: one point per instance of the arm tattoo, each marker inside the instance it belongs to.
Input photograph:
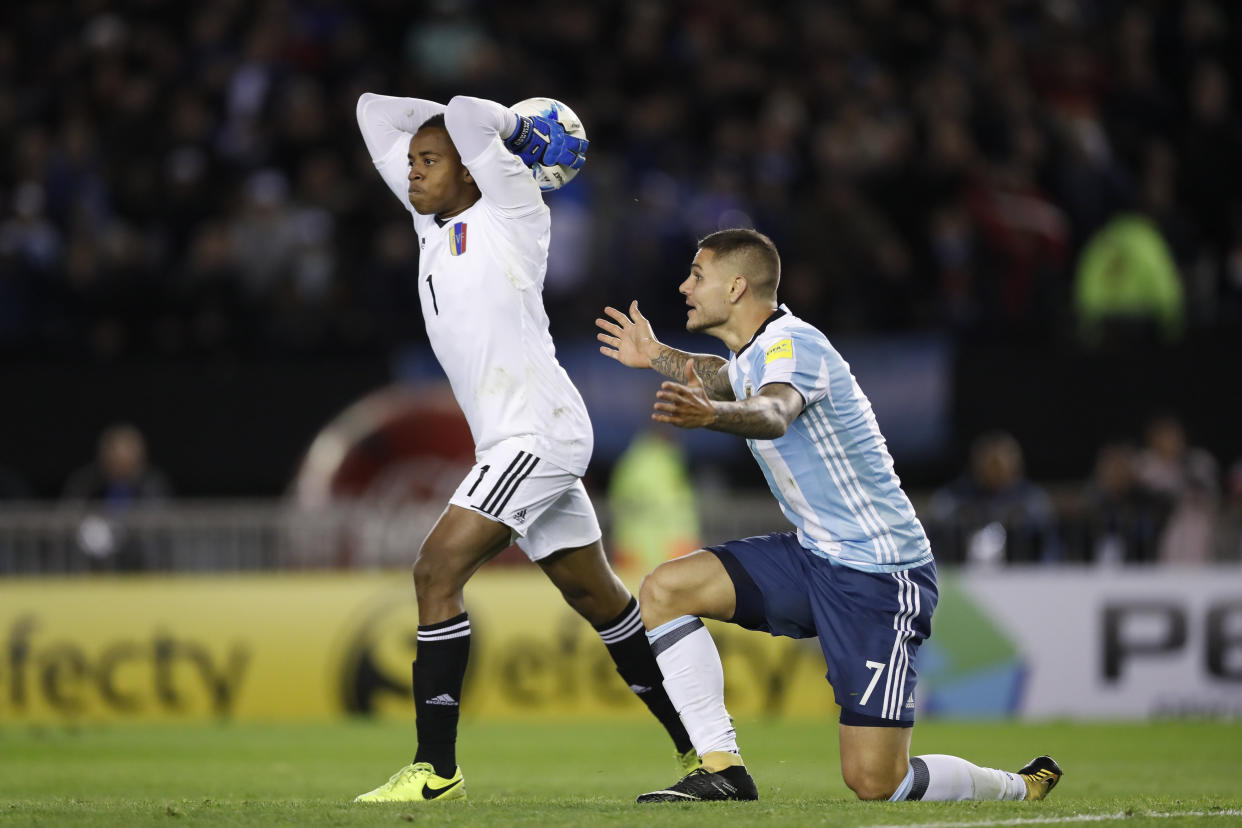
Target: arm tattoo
(756, 418)
(671, 363)
(715, 375)
(713, 370)
(765, 416)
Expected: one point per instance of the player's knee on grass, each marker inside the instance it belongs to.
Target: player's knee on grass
(871, 788)
(873, 781)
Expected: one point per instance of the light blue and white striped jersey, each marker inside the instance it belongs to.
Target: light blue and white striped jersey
(831, 471)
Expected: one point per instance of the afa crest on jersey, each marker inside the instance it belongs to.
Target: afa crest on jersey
(457, 245)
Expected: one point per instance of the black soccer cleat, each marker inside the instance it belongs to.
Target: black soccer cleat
(1041, 775)
(702, 785)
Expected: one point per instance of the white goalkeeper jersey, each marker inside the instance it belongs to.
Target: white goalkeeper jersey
(480, 281)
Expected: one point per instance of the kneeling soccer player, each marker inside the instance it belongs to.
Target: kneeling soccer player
(858, 572)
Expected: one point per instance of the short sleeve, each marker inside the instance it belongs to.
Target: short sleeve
(790, 358)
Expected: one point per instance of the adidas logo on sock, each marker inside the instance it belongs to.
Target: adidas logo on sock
(640, 689)
(443, 699)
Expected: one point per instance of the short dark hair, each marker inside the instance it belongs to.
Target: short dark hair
(434, 122)
(758, 257)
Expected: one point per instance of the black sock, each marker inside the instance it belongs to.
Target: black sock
(627, 644)
(443, 649)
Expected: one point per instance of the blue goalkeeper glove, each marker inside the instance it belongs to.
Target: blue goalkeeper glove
(539, 140)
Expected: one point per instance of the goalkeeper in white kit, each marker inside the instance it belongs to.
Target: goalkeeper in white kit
(462, 171)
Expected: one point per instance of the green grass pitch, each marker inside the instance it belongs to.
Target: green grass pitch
(555, 773)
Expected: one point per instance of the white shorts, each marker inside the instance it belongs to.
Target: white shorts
(546, 507)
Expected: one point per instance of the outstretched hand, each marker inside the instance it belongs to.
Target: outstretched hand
(628, 339)
(685, 406)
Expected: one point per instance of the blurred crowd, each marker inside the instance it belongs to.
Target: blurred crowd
(187, 180)
(1158, 500)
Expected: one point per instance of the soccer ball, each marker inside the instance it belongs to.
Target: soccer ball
(555, 177)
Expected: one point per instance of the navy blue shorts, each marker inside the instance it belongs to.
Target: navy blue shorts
(869, 624)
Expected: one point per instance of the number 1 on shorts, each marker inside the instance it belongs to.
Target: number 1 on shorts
(482, 472)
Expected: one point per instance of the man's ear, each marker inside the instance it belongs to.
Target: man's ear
(468, 178)
(738, 288)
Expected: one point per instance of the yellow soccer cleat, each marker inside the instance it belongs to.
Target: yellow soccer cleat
(1041, 775)
(688, 761)
(417, 783)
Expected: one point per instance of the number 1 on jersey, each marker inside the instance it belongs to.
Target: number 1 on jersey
(432, 288)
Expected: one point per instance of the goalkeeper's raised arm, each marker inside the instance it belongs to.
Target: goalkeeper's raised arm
(475, 125)
(496, 145)
(387, 125)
